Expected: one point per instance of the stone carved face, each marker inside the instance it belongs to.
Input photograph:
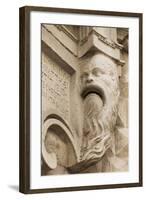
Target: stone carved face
(99, 75)
(100, 92)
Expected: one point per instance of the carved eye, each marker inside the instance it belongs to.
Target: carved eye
(95, 71)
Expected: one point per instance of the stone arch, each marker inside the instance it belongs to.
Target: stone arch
(64, 151)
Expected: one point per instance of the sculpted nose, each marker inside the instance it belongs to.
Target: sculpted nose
(89, 79)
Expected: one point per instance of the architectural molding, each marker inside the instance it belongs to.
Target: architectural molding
(104, 39)
(84, 101)
(58, 127)
(57, 48)
(52, 30)
(67, 32)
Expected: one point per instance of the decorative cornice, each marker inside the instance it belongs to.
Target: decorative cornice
(108, 42)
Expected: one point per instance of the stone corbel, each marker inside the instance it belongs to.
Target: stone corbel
(91, 40)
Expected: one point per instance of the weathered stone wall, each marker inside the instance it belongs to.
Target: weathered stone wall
(64, 49)
(54, 76)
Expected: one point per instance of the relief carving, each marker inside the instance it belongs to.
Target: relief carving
(56, 87)
(100, 93)
(101, 145)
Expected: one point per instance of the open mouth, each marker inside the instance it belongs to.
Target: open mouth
(93, 90)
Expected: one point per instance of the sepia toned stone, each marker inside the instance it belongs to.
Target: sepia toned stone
(56, 86)
(84, 99)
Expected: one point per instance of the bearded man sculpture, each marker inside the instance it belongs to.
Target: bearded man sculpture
(100, 93)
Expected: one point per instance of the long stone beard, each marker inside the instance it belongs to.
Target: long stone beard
(92, 107)
(99, 122)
